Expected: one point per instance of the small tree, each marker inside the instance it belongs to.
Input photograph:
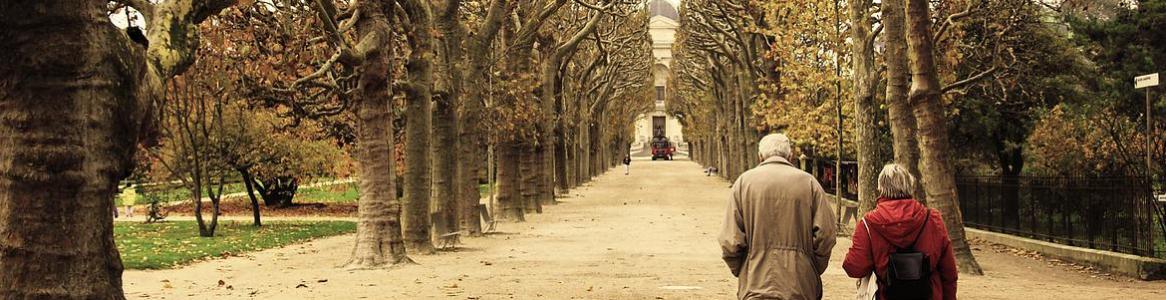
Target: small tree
(192, 129)
(272, 158)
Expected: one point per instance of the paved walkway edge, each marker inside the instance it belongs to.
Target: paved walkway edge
(1144, 268)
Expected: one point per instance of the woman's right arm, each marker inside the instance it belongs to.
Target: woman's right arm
(859, 262)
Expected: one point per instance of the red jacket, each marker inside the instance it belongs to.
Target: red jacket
(898, 223)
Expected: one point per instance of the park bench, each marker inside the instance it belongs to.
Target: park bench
(449, 240)
(487, 218)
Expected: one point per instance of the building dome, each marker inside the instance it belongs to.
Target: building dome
(663, 8)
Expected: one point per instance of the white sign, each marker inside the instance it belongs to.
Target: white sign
(1146, 81)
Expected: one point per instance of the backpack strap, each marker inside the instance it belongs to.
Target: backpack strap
(870, 244)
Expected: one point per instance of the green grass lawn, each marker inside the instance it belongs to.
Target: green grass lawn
(329, 194)
(183, 194)
(350, 194)
(170, 244)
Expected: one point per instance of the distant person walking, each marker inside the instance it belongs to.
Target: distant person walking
(894, 234)
(779, 228)
(627, 165)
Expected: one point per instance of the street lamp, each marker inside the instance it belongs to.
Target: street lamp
(1145, 82)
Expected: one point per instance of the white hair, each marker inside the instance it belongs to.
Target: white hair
(895, 182)
(776, 144)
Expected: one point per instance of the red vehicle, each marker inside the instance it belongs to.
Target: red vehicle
(662, 148)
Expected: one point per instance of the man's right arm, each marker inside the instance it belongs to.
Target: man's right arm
(732, 237)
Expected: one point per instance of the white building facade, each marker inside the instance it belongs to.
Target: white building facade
(662, 26)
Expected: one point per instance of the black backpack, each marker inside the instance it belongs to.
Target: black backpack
(909, 271)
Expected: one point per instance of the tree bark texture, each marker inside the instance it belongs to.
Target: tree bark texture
(72, 103)
(418, 118)
(444, 203)
(902, 121)
(379, 240)
(529, 164)
(249, 183)
(75, 98)
(472, 138)
(510, 204)
(865, 78)
(934, 146)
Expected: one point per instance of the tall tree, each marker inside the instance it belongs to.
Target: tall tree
(192, 123)
(355, 78)
(447, 97)
(938, 176)
(379, 239)
(517, 108)
(418, 127)
(472, 136)
(551, 97)
(902, 121)
(867, 140)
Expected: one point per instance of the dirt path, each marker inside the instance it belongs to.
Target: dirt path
(650, 235)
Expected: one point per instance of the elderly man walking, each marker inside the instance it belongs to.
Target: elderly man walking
(779, 229)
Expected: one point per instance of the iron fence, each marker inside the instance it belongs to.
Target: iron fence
(1117, 214)
(824, 171)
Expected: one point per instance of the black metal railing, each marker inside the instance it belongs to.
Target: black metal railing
(1116, 214)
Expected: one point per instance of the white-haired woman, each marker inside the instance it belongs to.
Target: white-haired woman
(899, 224)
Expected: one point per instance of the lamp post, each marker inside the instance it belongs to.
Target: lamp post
(1145, 82)
(838, 103)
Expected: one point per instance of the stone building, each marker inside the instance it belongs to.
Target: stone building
(662, 26)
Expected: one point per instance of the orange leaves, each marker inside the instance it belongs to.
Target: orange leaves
(1065, 141)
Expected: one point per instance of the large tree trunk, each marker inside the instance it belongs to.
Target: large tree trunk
(906, 146)
(546, 156)
(510, 205)
(71, 106)
(418, 118)
(582, 152)
(865, 78)
(551, 97)
(74, 99)
(445, 123)
(472, 137)
(934, 146)
(562, 159)
(378, 231)
(529, 164)
(469, 196)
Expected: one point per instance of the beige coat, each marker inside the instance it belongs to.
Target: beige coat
(778, 233)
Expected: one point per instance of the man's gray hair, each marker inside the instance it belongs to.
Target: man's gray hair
(895, 182)
(775, 144)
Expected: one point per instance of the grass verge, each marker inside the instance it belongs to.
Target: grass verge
(346, 193)
(170, 244)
